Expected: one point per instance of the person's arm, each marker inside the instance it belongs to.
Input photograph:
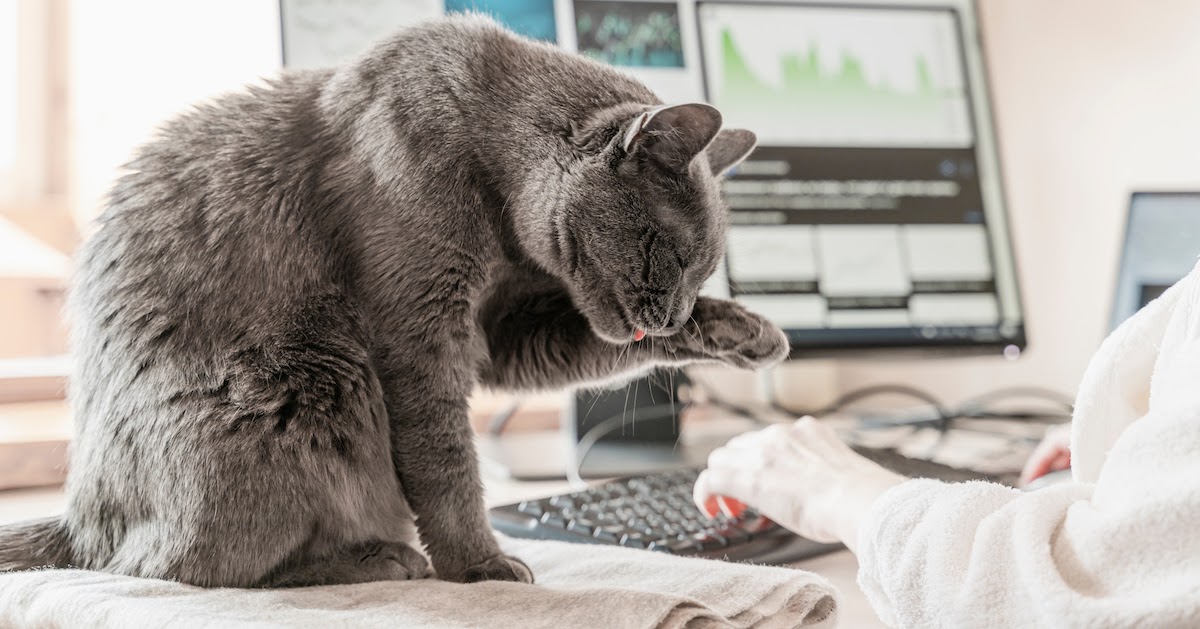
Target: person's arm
(1120, 552)
(1123, 552)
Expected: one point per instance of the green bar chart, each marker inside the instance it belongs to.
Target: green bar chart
(815, 76)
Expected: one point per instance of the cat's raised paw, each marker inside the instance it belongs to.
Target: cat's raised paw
(726, 331)
(499, 568)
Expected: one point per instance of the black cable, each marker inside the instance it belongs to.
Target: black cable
(602, 428)
(1025, 392)
(973, 408)
(684, 380)
(865, 392)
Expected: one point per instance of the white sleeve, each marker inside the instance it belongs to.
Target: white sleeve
(1121, 552)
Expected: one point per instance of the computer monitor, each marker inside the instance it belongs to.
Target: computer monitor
(1162, 244)
(871, 216)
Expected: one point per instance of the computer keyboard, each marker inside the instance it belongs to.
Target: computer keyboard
(656, 513)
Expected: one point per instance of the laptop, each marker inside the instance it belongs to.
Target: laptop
(1162, 245)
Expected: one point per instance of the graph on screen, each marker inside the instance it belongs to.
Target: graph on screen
(820, 76)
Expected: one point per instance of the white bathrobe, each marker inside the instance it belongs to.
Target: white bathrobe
(1117, 547)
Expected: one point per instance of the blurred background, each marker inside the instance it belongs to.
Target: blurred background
(1093, 99)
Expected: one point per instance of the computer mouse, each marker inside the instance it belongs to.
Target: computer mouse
(1053, 478)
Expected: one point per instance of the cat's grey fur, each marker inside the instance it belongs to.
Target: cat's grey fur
(295, 289)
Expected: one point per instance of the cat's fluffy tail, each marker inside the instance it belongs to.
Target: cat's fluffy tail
(35, 544)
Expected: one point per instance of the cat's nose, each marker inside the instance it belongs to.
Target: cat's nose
(675, 326)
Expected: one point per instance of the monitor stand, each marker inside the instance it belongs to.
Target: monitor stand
(626, 430)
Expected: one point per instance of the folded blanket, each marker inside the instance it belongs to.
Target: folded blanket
(578, 586)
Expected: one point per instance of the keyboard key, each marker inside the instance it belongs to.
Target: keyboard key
(709, 542)
(580, 526)
(563, 501)
(531, 507)
(661, 545)
(686, 545)
(609, 533)
(553, 519)
(634, 540)
(734, 535)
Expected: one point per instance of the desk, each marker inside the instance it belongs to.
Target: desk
(841, 568)
(995, 446)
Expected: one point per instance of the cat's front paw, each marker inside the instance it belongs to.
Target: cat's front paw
(725, 331)
(498, 568)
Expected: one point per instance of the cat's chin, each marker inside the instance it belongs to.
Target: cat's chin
(619, 338)
(614, 331)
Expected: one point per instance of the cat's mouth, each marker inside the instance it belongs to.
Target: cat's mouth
(622, 326)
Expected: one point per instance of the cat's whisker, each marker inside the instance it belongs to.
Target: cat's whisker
(700, 339)
(633, 418)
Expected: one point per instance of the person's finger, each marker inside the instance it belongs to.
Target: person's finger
(812, 428)
(1041, 461)
(712, 505)
(731, 507)
(1035, 469)
(732, 483)
(701, 495)
(820, 437)
(722, 456)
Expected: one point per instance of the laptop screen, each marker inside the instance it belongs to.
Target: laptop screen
(1162, 244)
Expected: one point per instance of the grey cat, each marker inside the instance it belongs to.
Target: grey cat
(295, 289)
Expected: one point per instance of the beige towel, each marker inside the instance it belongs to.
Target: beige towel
(578, 586)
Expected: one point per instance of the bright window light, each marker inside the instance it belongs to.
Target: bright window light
(8, 84)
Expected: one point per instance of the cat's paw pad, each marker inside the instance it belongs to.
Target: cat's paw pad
(499, 568)
(727, 332)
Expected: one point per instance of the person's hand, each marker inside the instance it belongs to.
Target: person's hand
(800, 475)
(1051, 455)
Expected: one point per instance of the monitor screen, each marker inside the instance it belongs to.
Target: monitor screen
(1162, 244)
(871, 215)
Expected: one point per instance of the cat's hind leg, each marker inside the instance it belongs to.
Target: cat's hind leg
(356, 563)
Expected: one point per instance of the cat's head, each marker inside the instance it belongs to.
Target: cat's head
(637, 222)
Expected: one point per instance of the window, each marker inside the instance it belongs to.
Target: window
(8, 91)
(37, 233)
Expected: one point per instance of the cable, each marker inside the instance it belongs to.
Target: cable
(1030, 392)
(597, 432)
(855, 395)
(973, 408)
(499, 420)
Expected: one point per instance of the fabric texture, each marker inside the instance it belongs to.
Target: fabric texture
(1117, 547)
(577, 586)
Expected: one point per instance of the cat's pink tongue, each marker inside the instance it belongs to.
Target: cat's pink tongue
(639, 334)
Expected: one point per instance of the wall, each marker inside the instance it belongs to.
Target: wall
(134, 63)
(1094, 98)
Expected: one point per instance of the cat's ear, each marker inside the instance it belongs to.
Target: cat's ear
(673, 135)
(729, 148)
